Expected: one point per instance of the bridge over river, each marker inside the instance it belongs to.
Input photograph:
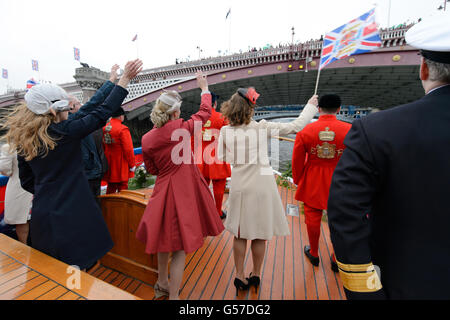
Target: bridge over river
(283, 76)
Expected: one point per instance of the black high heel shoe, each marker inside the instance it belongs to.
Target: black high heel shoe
(254, 281)
(240, 285)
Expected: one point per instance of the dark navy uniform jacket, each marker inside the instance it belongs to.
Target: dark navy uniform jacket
(92, 154)
(66, 222)
(389, 202)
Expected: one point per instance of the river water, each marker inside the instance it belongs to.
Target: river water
(285, 148)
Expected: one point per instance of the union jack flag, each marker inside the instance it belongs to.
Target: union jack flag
(35, 65)
(5, 73)
(31, 83)
(76, 54)
(360, 35)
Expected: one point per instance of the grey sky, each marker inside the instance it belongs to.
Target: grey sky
(48, 30)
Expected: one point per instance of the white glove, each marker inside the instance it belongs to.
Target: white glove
(133, 169)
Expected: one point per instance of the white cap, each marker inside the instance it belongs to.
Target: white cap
(171, 98)
(432, 36)
(40, 98)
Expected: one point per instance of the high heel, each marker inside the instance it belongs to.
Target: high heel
(160, 291)
(254, 281)
(240, 285)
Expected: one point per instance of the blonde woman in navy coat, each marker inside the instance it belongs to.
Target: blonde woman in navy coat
(66, 221)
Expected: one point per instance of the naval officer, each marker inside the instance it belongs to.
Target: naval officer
(388, 207)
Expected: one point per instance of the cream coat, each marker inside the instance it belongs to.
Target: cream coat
(255, 210)
(17, 200)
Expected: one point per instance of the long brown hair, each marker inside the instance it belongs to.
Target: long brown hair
(237, 110)
(28, 132)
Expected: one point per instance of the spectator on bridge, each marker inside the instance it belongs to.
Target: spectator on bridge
(181, 211)
(255, 211)
(212, 170)
(17, 200)
(119, 152)
(92, 152)
(66, 221)
(317, 150)
(388, 208)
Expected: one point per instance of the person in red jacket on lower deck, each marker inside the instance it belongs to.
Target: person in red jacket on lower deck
(317, 150)
(205, 154)
(119, 152)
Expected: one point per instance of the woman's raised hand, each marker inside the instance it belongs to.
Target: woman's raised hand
(202, 80)
(113, 74)
(132, 69)
(314, 100)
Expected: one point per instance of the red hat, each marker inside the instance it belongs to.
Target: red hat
(249, 94)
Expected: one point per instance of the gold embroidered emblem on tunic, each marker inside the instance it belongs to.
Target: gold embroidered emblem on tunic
(107, 137)
(326, 151)
(327, 135)
(207, 135)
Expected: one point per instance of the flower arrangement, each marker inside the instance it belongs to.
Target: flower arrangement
(283, 180)
(142, 179)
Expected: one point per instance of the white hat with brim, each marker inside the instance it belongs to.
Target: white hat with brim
(43, 97)
(432, 37)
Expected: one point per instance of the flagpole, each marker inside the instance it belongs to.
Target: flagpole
(137, 48)
(318, 73)
(229, 36)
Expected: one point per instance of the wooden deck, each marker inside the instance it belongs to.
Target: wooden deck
(27, 274)
(286, 274)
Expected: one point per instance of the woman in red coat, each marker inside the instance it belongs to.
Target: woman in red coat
(181, 211)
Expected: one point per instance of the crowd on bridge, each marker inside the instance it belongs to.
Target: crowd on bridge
(382, 180)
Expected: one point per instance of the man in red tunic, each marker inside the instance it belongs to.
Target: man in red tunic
(317, 150)
(120, 154)
(211, 168)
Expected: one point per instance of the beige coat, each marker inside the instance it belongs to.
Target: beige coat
(255, 210)
(17, 200)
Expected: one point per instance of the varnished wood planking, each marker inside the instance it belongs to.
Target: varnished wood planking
(8, 275)
(286, 273)
(17, 274)
(39, 291)
(69, 296)
(206, 269)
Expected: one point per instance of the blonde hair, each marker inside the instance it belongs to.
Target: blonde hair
(28, 132)
(160, 115)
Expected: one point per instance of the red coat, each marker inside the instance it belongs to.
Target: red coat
(209, 165)
(181, 211)
(317, 150)
(118, 151)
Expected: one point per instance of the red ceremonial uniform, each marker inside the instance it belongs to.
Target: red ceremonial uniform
(119, 152)
(317, 150)
(207, 162)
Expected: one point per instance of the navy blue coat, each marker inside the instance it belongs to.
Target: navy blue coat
(90, 152)
(388, 202)
(66, 222)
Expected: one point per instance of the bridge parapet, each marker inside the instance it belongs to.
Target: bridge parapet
(308, 49)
